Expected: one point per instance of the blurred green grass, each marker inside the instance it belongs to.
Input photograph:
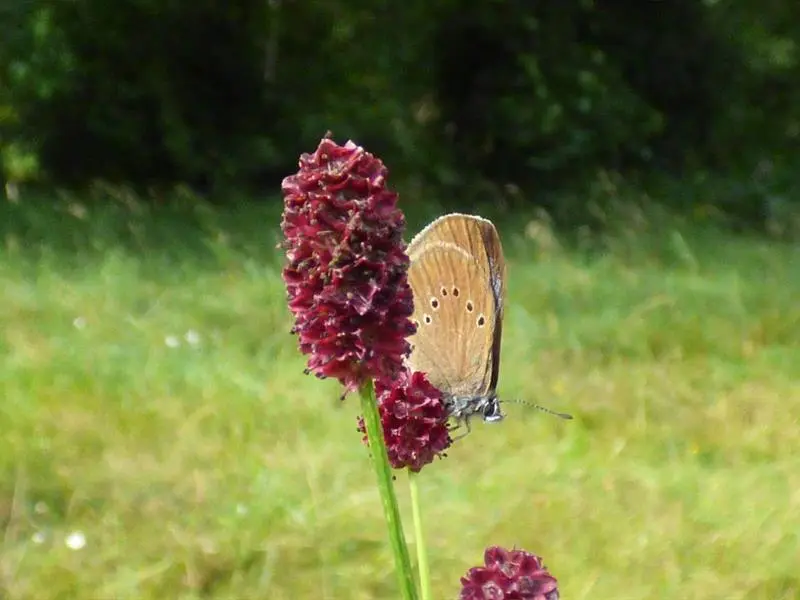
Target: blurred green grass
(153, 402)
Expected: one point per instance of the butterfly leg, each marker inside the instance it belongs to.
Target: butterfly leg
(458, 426)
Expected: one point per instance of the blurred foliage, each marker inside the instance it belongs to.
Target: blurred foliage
(158, 92)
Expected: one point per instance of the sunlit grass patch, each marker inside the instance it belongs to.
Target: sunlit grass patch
(160, 440)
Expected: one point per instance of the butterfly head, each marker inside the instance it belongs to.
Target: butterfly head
(490, 408)
(462, 408)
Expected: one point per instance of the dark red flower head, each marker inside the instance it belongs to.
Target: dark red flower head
(346, 272)
(414, 421)
(509, 575)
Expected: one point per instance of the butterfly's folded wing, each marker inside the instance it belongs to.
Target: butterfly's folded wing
(457, 274)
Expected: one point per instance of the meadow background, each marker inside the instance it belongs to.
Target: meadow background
(159, 439)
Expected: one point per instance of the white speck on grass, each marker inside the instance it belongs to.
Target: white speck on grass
(40, 508)
(172, 341)
(79, 323)
(38, 538)
(192, 337)
(75, 540)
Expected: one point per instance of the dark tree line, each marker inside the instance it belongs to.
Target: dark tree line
(228, 93)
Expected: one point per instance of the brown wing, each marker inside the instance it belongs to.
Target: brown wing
(457, 274)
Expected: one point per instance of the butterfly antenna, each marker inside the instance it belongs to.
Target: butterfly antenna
(560, 415)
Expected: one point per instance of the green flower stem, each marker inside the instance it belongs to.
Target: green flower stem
(419, 538)
(391, 511)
